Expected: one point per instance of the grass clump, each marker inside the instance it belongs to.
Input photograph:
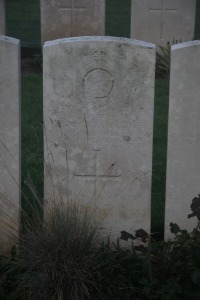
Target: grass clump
(9, 276)
(58, 255)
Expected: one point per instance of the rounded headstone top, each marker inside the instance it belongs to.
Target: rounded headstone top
(185, 44)
(8, 39)
(100, 39)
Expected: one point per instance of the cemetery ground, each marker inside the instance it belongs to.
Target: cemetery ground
(160, 271)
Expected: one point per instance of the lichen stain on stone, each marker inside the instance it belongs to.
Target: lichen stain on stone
(123, 215)
(103, 213)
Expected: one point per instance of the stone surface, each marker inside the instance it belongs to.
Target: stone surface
(2, 17)
(162, 21)
(67, 18)
(9, 140)
(98, 115)
(183, 164)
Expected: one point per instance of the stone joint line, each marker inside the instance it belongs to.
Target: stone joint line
(163, 10)
(72, 7)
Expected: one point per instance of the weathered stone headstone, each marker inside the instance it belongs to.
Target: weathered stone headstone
(98, 116)
(9, 140)
(2, 17)
(162, 21)
(183, 163)
(67, 18)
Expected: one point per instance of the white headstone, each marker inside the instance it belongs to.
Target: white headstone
(9, 140)
(98, 116)
(67, 18)
(162, 21)
(183, 163)
(2, 17)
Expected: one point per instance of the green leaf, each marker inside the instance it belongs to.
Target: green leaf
(195, 277)
(174, 228)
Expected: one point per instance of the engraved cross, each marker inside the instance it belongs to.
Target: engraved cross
(96, 175)
(162, 11)
(72, 8)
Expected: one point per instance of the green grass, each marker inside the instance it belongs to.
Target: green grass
(197, 25)
(118, 17)
(32, 137)
(23, 22)
(59, 253)
(159, 153)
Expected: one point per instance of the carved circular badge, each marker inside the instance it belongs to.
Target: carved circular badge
(95, 84)
(98, 83)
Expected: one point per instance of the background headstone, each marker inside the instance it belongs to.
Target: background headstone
(98, 116)
(9, 140)
(2, 18)
(183, 163)
(67, 18)
(162, 21)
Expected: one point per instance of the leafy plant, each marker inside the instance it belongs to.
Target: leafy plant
(163, 59)
(157, 270)
(195, 208)
(120, 271)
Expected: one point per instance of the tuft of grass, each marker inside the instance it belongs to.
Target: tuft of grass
(58, 254)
